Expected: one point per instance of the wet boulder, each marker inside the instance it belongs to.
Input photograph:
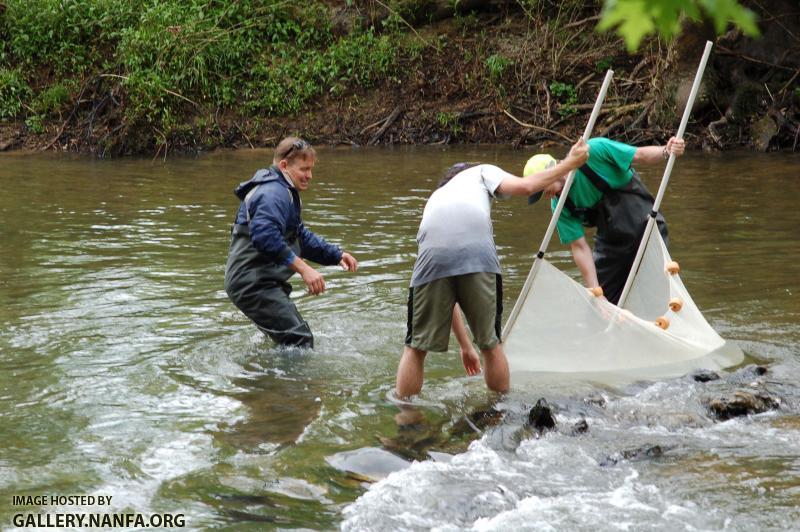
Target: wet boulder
(581, 427)
(541, 417)
(704, 375)
(742, 403)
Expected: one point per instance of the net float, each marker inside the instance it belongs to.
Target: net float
(596, 291)
(673, 267)
(662, 322)
(675, 304)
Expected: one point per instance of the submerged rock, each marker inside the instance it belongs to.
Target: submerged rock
(704, 375)
(541, 417)
(747, 374)
(367, 464)
(412, 444)
(595, 399)
(742, 404)
(762, 132)
(476, 422)
(644, 452)
(581, 427)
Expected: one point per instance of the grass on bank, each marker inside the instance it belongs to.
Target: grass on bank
(159, 60)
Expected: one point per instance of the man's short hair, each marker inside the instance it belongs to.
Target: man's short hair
(453, 171)
(291, 148)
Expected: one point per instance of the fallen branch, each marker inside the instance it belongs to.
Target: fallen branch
(389, 121)
(126, 78)
(727, 51)
(581, 22)
(372, 125)
(619, 110)
(791, 80)
(531, 126)
(244, 135)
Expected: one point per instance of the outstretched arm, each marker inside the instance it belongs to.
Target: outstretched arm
(582, 254)
(469, 357)
(525, 186)
(656, 154)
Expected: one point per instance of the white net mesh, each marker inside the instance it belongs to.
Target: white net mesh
(560, 328)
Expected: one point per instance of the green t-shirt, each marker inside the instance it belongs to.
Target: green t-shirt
(611, 160)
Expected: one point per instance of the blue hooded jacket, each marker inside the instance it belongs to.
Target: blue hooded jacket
(275, 223)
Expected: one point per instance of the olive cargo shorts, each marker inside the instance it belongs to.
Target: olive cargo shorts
(430, 310)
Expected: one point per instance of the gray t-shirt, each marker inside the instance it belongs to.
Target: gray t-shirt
(455, 236)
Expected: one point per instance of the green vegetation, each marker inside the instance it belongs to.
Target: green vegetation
(13, 90)
(635, 19)
(567, 97)
(496, 64)
(449, 122)
(164, 61)
(604, 64)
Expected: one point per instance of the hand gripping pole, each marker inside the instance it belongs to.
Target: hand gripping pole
(651, 220)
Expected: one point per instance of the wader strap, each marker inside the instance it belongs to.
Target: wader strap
(247, 202)
(598, 182)
(588, 215)
(240, 230)
(571, 207)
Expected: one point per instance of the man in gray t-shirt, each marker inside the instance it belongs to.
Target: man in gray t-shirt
(447, 248)
(457, 267)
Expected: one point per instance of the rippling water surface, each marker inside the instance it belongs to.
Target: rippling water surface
(125, 371)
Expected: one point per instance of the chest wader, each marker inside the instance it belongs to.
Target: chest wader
(259, 288)
(620, 217)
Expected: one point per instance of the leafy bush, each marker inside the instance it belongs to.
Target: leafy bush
(35, 125)
(51, 101)
(13, 91)
(69, 35)
(295, 76)
(567, 97)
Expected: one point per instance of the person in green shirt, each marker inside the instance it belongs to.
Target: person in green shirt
(608, 194)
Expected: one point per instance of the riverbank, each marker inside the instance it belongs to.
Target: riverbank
(161, 80)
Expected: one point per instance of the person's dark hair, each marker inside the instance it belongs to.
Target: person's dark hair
(454, 170)
(291, 148)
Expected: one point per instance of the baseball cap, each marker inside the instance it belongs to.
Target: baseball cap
(537, 163)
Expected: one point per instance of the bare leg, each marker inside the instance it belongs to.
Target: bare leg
(495, 368)
(409, 372)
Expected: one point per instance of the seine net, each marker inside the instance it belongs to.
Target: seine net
(560, 328)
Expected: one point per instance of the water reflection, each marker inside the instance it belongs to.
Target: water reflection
(278, 410)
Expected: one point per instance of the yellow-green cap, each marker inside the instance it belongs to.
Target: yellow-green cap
(537, 163)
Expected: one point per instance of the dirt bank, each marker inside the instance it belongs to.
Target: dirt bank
(490, 77)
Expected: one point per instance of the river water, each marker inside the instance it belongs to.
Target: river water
(126, 372)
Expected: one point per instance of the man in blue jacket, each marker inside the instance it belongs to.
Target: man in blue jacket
(269, 243)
